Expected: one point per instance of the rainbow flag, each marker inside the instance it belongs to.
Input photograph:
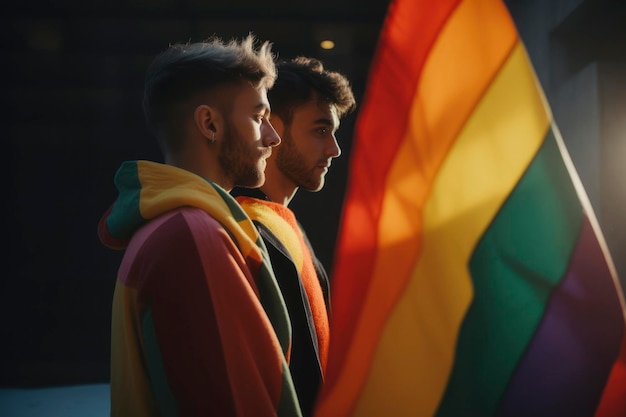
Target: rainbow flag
(471, 276)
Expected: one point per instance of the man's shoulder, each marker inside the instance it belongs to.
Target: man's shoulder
(180, 227)
(180, 217)
(185, 231)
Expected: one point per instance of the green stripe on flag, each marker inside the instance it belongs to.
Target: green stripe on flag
(522, 256)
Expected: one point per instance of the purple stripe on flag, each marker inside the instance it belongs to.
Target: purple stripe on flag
(566, 365)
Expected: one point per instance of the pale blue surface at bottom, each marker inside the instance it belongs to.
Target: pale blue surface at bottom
(90, 400)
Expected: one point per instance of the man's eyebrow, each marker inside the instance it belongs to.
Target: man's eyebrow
(324, 121)
(262, 106)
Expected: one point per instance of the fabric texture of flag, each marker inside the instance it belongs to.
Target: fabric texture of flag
(471, 276)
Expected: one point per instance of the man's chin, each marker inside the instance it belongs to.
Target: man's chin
(313, 188)
(255, 182)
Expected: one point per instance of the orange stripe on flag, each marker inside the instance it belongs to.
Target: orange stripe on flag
(379, 242)
(411, 29)
(417, 345)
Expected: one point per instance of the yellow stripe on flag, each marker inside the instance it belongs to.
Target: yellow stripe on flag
(409, 376)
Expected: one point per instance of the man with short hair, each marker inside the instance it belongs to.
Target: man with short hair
(199, 325)
(307, 102)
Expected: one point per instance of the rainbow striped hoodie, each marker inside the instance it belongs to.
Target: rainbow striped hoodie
(199, 326)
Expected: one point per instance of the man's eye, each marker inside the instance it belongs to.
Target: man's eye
(322, 130)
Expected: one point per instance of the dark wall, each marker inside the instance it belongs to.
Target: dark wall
(578, 48)
(75, 74)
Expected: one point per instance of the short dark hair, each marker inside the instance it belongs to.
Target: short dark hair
(183, 71)
(299, 78)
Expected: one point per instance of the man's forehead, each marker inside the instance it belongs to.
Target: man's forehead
(330, 112)
(326, 108)
(252, 96)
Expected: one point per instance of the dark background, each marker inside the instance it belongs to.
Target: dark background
(75, 83)
(73, 76)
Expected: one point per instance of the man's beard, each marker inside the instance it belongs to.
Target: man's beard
(239, 160)
(292, 164)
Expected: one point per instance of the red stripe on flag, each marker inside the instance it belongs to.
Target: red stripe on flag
(613, 402)
(409, 32)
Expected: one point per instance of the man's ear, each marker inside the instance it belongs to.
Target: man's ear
(207, 121)
(279, 125)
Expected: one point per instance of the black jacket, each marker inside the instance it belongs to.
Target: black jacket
(305, 365)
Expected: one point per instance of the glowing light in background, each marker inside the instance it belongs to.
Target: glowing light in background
(327, 44)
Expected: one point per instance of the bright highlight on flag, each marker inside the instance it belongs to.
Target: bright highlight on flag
(471, 276)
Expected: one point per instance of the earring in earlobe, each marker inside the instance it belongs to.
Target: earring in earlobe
(212, 140)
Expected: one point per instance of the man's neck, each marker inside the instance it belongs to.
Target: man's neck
(199, 166)
(279, 195)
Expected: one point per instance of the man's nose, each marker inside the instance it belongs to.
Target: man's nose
(269, 135)
(334, 150)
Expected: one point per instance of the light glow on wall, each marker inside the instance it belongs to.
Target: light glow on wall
(327, 44)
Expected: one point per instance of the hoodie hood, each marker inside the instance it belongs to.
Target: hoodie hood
(148, 189)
